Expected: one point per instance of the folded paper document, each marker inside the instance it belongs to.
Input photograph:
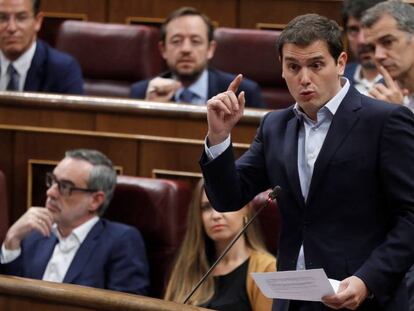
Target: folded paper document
(309, 285)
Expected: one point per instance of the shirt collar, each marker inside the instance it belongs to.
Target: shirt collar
(332, 105)
(79, 232)
(358, 78)
(199, 87)
(22, 64)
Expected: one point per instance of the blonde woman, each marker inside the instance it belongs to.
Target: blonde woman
(229, 286)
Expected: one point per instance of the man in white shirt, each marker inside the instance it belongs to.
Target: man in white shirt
(388, 27)
(29, 64)
(344, 164)
(67, 241)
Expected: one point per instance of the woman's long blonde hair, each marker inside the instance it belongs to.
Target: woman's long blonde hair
(197, 254)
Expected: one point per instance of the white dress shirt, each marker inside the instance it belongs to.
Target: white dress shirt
(364, 85)
(22, 66)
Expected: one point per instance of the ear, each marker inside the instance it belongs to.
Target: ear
(211, 49)
(283, 73)
(343, 57)
(97, 199)
(38, 21)
(161, 47)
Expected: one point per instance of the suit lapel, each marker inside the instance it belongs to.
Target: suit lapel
(35, 75)
(213, 88)
(84, 253)
(41, 259)
(342, 123)
(291, 158)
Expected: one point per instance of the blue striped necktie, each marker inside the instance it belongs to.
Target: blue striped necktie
(13, 84)
(186, 96)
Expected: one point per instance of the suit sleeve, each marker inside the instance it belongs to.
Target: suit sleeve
(139, 89)
(127, 269)
(387, 264)
(229, 184)
(71, 81)
(253, 94)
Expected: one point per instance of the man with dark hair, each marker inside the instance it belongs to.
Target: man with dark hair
(68, 241)
(187, 44)
(29, 64)
(389, 29)
(362, 72)
(344, 164)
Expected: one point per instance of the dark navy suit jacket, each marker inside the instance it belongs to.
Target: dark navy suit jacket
(53, 71)
(358, 218)
(218, 81)
(112, 256)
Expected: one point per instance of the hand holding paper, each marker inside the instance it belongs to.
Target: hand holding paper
(309, 285)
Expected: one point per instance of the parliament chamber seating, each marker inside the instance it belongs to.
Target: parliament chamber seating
(4, 209)
(269, 219)
(253, 53)
(112, 56)
(158, 208)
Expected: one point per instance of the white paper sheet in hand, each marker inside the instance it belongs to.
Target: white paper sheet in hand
(309, 285)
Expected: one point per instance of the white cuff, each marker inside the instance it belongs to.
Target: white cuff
(8, 255)
(214, 151)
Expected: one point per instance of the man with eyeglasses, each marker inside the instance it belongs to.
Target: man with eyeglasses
(68, 241)
(362, 71)
(29, 64)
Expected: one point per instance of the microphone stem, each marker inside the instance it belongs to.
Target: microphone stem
(268, 201)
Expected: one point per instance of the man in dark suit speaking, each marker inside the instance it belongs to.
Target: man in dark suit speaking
(344, 162)
(28, 64)
(67, 241)
(187, 44)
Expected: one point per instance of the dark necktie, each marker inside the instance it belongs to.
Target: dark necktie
(13, 84)
(186, 96)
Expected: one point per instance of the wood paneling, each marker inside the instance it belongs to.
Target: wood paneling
(137, 136)
(95, 10)
(222, 12)
(113, 115)
(18, 294)
(253, 12)
(137, 155)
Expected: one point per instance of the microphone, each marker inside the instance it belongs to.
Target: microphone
(271, 197)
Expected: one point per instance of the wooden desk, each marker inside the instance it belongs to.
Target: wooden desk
(26, 294)
(140, 137)
(116, 115)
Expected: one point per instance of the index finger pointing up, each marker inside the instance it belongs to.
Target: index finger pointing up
(389, 81)
(234, 85)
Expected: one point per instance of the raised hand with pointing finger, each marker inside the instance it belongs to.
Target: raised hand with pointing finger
(224, 111)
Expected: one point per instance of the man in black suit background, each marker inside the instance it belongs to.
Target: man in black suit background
(187, 44)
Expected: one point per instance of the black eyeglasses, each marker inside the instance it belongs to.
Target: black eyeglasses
(65, 187)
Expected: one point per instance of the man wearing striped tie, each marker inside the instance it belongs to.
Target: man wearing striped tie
(29, 64)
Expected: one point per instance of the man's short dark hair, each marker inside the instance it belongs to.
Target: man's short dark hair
(36, 6)
(305, 29)
(356, 8)
(402, 12)
(187, 11)
(102, 176)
